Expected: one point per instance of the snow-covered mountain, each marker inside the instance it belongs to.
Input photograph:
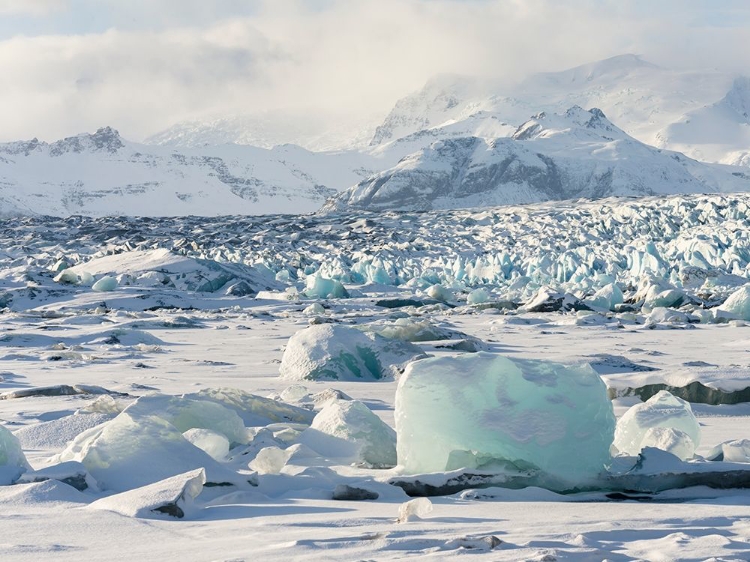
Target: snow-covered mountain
(103, 174)
(719, 132)
(312, 130)
(550, 157)
(639, 97)
(454, 141)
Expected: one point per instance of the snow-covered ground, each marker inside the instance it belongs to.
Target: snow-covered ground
(152, 314)
(242, 349)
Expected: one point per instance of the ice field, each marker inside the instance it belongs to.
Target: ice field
(416, 385)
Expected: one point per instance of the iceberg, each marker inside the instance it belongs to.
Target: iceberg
(480, 410)
(105, 284)
(328, 351)
(318, 287)
(636, 428)
(478, 296)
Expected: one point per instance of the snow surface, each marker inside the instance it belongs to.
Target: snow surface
(79, 370)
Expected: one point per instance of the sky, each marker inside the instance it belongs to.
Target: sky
(71, 66)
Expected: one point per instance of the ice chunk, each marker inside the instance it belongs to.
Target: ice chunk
(294, 393)
(660, 295)
(330, 351)
(315, 309)
(738, 303)
(166, 268)
(213, 443)
(439, 293)
(478, 296)
(412, 330)
(318, 287)
(547, 299)
(414, 510)
(255, 411)
(104, 404)
(56, 434)
(172, 497)
(270, 460)
(67, 277)
(668, 316)
(136, 450)
(608, 297)
(71, 473)
(670, 440)
(361, 436)
(12, 460)
(106, 283)
(731, 451)
(187, 413)
(473, 410)
(661, 411)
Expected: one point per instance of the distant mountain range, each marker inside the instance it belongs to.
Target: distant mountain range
(103, 174)
(457, 142)
(579, 154)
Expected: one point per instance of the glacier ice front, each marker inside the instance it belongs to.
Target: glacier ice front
(480, 409)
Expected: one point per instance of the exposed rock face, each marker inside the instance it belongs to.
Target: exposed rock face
(578, 154)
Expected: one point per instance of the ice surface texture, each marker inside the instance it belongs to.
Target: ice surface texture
(664, 421)
(691, 250)
(471, 410)
(344, 353)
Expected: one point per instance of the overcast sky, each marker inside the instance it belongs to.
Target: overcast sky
(69, 66)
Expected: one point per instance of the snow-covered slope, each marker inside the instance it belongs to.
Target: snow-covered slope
(719, 132)
(312, 130)
(639, 97)
(550, 157)
(102, 174)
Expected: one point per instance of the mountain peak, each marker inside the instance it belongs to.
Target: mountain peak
(607, 69)
(576, 118)
(105, 139)
(738, 97)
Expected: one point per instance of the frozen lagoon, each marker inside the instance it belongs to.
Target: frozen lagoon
(72, 335)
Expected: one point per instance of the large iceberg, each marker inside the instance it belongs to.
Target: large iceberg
(644, 425)
(327, 351)
(483, 409)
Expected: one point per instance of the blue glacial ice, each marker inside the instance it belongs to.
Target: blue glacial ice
(478, 410)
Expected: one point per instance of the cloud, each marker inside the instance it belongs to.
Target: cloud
(30, 7)
(148, 64)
